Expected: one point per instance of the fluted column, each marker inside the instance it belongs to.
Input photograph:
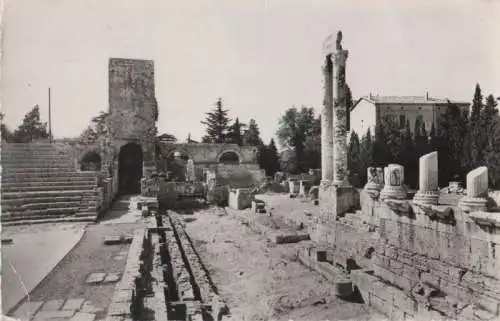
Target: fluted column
(326, 125)
(428, 192)
(340, 115)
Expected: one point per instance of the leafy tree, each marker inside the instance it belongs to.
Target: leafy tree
(217, 122)
(167, 138)
(99, 123)
(88, 135)
(312, 146)
(353, 160)
(235, 133)
(251, 137)
(6, 134)
(294, 127)
(288, 161)
(32, 128)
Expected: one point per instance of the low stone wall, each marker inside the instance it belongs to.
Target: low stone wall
(418, 262)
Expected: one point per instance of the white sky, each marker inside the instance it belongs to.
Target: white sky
(260, 56)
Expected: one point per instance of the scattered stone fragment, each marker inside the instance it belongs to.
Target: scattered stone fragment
(73, 304)
(112, 278)
(54, 315)
(82, 316)
(114, 240)
(52, 305)
(95, 278)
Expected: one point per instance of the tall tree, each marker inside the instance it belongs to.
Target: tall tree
(408, 157)
(294, 127)
(491, 123)
(421, 138)
(353, 160)
(251, 137)
(269, 159)
(217, 122)
(450, 143)
(384, 141)
(31, 129)
(476, 134)
(365, 155)
(234, 134)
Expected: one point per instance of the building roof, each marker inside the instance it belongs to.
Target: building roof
(420, 100)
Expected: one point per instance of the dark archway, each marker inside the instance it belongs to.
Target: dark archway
(130, 169)
(229, 157)
(91, 161)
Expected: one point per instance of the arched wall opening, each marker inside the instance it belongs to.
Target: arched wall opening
(91, 161)
(229, 157)
(130, 164)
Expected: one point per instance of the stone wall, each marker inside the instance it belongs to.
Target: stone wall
(415, 262)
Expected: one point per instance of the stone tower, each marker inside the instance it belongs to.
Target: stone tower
(132, 120)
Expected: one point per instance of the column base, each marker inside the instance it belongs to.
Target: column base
(373, 189)
(393, 192)
(426, 197)
(336, 200)
(473, 204)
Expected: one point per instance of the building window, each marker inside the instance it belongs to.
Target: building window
(402, 121)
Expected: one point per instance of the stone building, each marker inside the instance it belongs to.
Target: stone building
(367, 111)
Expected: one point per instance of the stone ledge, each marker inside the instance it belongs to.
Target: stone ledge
(486, 218)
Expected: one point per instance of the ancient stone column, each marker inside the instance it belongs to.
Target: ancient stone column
(428, 192)
(394, 183)
(477, 191)
(326, 125)
(340, 115)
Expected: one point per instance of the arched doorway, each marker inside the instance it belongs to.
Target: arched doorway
(130, 169)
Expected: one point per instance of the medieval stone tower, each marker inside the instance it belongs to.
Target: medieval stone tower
(132, 121)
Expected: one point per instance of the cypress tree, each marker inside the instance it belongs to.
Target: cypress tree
(365, 156)
(476, 133)
(491, 125)
(353, 160)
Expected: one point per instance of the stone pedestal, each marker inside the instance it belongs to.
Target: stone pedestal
(477, 191)
(428, 192)
(336, 200)
(375, 181)
(394, 180)
(190, 171)
(294, 187)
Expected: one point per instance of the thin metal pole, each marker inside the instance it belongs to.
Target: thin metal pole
(50, 120)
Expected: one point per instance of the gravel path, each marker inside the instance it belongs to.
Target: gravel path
(263, 281)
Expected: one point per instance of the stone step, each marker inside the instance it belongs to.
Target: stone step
(21, 195)
(74, 186)
(50, 199)
(30, 170)
(35, 214)
(41, 212)
(90, 218)
(42, 206)
(48, 179)
(8, 165)
(52, 174)
(45, 184)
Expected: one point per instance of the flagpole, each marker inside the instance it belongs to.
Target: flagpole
(50, 120)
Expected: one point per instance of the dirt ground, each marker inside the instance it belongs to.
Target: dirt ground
(263, 281)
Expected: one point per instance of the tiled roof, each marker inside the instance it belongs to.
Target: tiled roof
(409, 100)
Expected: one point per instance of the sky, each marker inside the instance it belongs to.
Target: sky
(261, 56)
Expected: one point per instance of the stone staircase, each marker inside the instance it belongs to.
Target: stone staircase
(40, 184)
